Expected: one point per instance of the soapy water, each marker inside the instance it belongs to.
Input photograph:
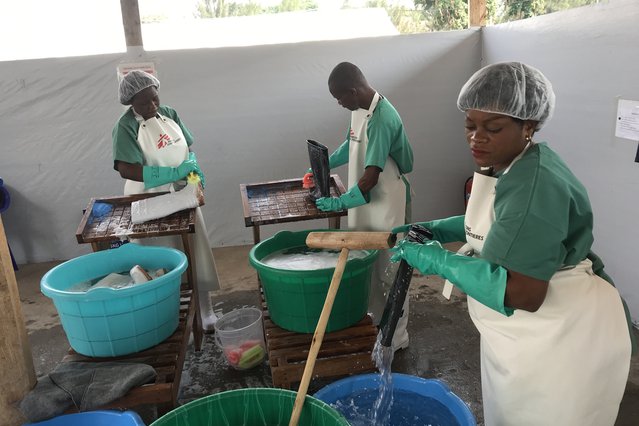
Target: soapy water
(307, 259)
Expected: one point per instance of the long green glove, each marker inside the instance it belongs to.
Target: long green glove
(154, 176)
(352, 198)
(444, 230)
(478, 278)
(339, 157)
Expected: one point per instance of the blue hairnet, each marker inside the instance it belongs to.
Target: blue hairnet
(133, 83)
(510, 88)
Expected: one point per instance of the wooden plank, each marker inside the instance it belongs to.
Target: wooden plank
(17, 375)
(343, 352)
(131, 23)
(477, 13)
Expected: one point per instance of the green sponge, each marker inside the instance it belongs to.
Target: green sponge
(251, 357)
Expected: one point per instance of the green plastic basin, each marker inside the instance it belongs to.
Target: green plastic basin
(251, 407)
(295, 298)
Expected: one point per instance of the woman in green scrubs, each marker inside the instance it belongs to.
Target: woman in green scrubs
(555, 347)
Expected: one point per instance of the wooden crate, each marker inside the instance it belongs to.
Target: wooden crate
(167, 358)
(342, 353)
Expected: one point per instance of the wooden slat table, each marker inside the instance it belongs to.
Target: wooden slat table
(284, 201)
(168, 356)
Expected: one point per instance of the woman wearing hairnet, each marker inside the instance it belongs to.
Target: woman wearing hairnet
(151, 151)
(555, 342)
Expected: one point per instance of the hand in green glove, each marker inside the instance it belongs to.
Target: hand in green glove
(154, 176)
(444, 230)
(480, 279)
(352, 198)
(192, 157)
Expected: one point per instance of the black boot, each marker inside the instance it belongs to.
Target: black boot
(318, 156)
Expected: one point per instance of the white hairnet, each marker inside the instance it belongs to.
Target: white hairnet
(133, 83)
(510, 88)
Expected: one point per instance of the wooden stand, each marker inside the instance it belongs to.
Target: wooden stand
(284, 201)
(343, 353)
(167, 358)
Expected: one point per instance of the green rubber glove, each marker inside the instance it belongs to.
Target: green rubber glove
(154, 176)
(352, 198)
(478, 278)
(444, 230)
(339, 157)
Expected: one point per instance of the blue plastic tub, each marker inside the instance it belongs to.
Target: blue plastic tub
(428, 400)
(94, 418)
(107, 322)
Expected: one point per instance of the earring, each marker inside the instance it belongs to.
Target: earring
(528, 138)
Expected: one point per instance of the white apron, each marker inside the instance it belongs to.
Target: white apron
(163, 144)
(566, 364)
(385, 210)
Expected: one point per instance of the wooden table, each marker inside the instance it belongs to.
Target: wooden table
(284, 201)
(168, 356)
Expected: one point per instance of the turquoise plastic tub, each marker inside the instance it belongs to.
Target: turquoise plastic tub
(295, 298)
(107, 322)
(428, 400)
(95, 418)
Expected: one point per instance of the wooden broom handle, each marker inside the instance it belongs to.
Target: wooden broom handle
(351, 240)
(318, 336)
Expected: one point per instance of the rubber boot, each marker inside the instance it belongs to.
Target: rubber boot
(318, 156)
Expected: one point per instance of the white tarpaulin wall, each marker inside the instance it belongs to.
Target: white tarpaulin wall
(252, 108)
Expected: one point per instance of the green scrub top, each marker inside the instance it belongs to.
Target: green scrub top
(387, 138)
(125, 135)
(543, 218)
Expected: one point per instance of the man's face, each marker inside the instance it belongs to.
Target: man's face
(347, 98)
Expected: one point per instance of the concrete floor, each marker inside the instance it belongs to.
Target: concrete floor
(444, 343)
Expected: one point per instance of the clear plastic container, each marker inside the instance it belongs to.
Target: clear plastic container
(240, 335)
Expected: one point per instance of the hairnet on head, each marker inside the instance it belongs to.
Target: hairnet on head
(510, 88)
(133, 83)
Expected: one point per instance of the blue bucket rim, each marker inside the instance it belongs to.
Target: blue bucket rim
(407, 382)
(107, 293)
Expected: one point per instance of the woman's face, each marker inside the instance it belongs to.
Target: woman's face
(146, 102)
(495, 139)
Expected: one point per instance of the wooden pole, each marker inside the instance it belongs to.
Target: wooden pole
(131, 22)
(320, 329)
(17, 375)
(477, 13)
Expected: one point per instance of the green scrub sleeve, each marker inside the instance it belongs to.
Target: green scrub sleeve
(339, 157)
(531, 223)
(125, 136)
(386, 137)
